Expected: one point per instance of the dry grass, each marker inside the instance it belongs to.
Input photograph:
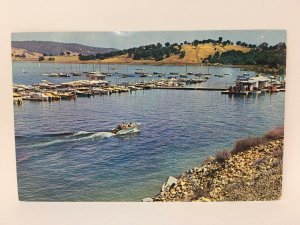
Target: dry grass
(222, 156)
(246, 143)
(274, 134)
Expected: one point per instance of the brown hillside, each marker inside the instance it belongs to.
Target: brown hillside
(29, 56)
(193, 55)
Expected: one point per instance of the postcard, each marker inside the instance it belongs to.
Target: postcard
(157, 116)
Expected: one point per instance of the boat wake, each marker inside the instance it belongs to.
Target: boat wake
(76, 137)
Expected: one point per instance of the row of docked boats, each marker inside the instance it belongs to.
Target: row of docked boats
(48, 91)
(102, 75)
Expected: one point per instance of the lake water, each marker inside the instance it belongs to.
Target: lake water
(64, 152)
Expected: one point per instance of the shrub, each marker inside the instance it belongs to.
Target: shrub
(41, 58)
(221, 156)
(182, 54)
(246, 143)
(274, 134)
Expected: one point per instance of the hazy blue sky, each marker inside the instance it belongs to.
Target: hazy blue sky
(123, 40)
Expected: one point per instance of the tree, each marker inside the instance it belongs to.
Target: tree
(185, 42)
(220, 39)
(263, 46)
(68, 53)
(45, 54)
(41, 58)
(159, 45)
(182, 54)
(167, 44)
(195, 42)
(238, 42)
(62, 54)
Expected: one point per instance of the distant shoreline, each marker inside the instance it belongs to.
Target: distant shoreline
(258, 69)
(132, 63)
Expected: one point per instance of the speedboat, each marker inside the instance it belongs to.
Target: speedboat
(126, 128)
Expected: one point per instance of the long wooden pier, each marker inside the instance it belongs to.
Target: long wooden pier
(194, 88)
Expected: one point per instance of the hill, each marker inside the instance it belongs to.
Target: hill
(20, 54)
(56, 48)
(263, 58)
(153, 54)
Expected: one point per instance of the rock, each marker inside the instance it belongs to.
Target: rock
(169, 183)
(148, 199)
(208, 160)
(173, 192)
(203, 199)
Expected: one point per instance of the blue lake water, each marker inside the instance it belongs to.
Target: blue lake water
(64, 152)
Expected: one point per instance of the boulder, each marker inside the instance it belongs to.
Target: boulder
(169, 183)
(148, 199)
(208, 160)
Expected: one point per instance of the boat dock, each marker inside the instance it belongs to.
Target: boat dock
(194, 88)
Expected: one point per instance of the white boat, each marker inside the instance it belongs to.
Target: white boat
(36, 97)
(100, 91)
(95, 76)
(127, 131)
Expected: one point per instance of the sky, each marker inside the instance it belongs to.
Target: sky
(128, 39)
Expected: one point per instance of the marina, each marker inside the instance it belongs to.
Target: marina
(73, 137)
(95, 83)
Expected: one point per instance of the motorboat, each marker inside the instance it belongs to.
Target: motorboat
(126, 128)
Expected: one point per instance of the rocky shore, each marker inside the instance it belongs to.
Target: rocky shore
(251, 173)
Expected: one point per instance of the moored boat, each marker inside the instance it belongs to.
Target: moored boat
(67, 95)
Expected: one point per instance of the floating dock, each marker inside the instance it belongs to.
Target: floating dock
(194, 88)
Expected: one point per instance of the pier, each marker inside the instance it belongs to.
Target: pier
(194, 88)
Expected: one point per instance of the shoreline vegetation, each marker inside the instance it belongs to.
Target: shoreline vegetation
(251, 171)
(263, 58)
